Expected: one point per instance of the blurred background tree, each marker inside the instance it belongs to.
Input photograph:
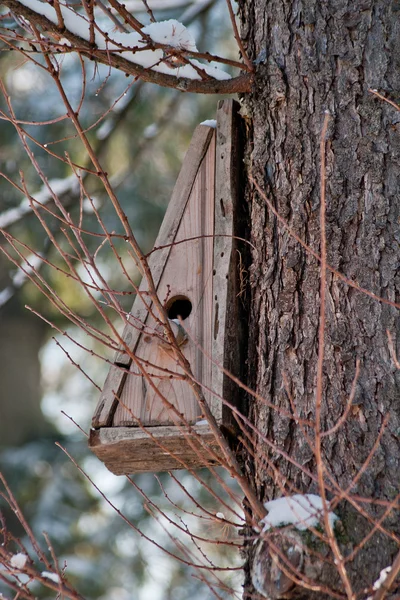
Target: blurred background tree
(141, 142)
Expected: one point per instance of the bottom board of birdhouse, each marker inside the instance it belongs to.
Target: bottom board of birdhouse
(133, 450)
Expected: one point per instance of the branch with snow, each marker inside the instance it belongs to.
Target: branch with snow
(44, 196)
(18, 569)
(33, 263)
(146, 54)
(18, 561)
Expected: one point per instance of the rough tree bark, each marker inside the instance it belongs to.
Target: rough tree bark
(313, 56)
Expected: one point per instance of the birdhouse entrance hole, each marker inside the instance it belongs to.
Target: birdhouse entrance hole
(178, 307)
(148, 417)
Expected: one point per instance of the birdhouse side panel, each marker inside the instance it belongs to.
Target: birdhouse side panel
(227, 317)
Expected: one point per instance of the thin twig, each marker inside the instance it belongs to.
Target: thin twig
(391, 576)
(339, 560)
(238, 38)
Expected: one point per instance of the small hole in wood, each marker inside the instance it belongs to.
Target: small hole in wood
(222, 254)
(178, 306)
(221, 202)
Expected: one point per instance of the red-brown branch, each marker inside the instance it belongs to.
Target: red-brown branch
(242, 83)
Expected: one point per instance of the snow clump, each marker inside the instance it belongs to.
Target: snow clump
(171, 33)
(210, 123)
(52, 576)
(302, 511)
(18, 561)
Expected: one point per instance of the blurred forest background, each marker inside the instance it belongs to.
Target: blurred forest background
(141, 143)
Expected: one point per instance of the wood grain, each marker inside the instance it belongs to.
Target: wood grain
(225, 315)
(127, 450)
(198, 147)
(103, 414)
(180, 195)
(187, 273)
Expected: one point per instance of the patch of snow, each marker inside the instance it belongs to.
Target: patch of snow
(57, 185)
(104, 130)
(73, 21)
(210, 123)
(5, 295)
(382, 577)
(52, 576)
(211, 70)
(138, 6)
(89, 206)
(172, 33)
(150, 131)
(8, 217)
(117, 39)
(303, 511)
(42, 9)
(220, 515)
(18, 561)
(30, 264)
(202, 422)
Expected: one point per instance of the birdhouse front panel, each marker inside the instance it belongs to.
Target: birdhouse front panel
(185, 289)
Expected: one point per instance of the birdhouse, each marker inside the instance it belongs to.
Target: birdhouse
(148, 417)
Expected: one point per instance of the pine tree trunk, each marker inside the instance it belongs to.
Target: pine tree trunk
(314, 56)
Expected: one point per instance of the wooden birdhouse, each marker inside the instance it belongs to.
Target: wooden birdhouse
(148, 417)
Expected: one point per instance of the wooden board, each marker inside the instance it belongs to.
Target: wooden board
(131, 450)
(226, 316)
(134, 429)
(187, 273)
(107, 403)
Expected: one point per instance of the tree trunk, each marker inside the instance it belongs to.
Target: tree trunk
(21, 337)
(312, 57)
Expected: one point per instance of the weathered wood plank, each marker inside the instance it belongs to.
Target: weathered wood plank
(225, 322)
(187, 274)
(107, 404)
(132, 450)
(180, 195)
(198, 147)
(206, 272)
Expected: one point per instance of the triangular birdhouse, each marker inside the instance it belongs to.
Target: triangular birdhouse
(151, 420)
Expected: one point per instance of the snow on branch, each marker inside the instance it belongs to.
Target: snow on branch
(43, 196)
(138, 6)
(32, 265)
(161, 53)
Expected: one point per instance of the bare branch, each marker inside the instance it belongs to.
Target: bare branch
(242, 83)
